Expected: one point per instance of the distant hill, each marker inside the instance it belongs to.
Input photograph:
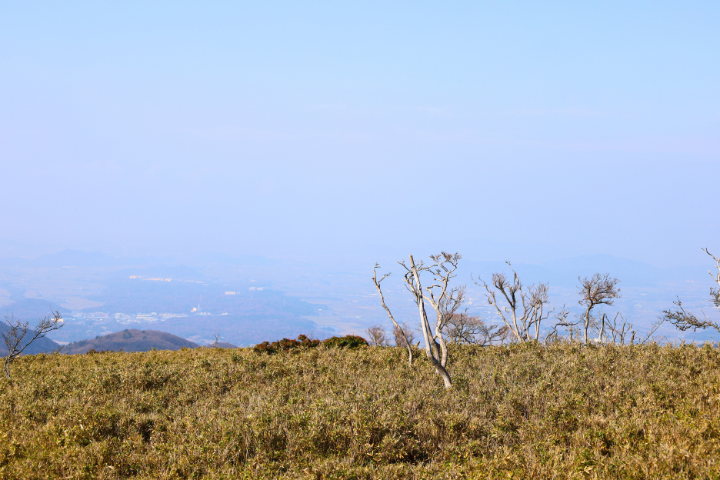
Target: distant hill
(242, 260)
(565, 272)
(130, 340)
(41, 345)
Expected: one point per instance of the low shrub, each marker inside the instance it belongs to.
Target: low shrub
(303, 342)
(286, 344)
(348, 341)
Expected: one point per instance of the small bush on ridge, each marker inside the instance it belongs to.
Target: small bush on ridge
(303, 342)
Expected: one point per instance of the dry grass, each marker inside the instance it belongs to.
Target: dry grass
(522, 411)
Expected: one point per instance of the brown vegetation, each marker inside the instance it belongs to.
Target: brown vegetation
(404, 335)
(518, 411)
(303, 342)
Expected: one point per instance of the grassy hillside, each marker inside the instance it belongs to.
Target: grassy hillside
(130, 340)
(515, 412)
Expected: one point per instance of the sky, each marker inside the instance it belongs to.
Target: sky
(357, 128)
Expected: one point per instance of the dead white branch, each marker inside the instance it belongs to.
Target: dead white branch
(397, 329)
(15, 338)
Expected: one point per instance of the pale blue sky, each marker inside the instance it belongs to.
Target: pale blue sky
(279, 128)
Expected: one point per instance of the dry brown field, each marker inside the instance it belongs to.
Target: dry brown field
(518, 411)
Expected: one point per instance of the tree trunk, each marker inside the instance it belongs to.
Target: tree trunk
(587, 325)
(426, 328)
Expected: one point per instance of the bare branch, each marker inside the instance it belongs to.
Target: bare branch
(684, 320)
(396, 327)
(714, 292)
(15, 337)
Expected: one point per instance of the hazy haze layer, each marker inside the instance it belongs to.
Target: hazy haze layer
(362, 130)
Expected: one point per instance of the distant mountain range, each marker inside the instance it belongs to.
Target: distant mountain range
(75, 258)
(565, 272)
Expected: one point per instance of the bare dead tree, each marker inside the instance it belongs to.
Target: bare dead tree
(472, 330)
(404, 335)
(396, 328)
(378, 336)
(443, 299)
(526, 307)
(594, 291)
(15, 337)
(684, 320)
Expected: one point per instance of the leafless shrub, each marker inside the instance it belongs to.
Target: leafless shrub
(616, 330)
(562, 320)
(15, 337)
(594, 291)
(525, 309)
(624, 333)
(378, 336)
(472, 330)
(404, 335)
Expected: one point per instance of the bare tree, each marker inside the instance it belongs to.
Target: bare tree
(404, 335)
(525, 309)
(14, 338)
(378, 336)
(594, 291)
(443, 299)
(684, 320)
(404, 332)
(471, 330)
